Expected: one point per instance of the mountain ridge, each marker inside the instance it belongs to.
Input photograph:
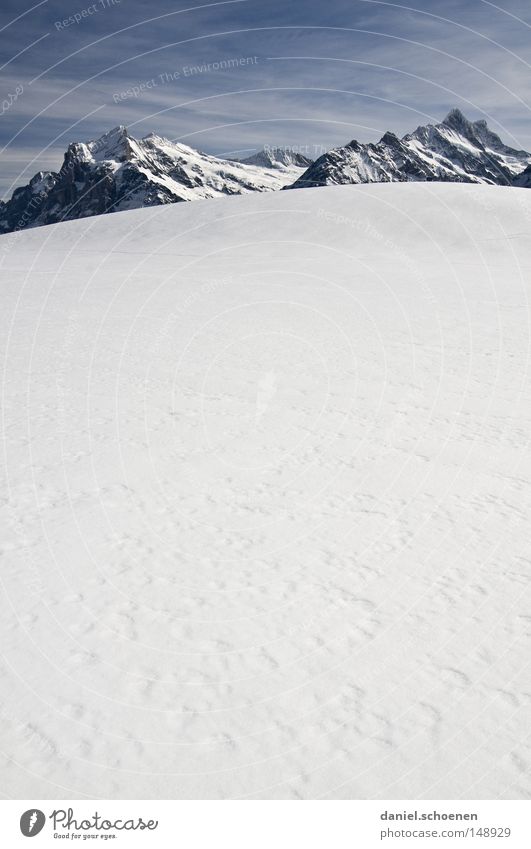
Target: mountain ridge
(117, 172)
(455, 150)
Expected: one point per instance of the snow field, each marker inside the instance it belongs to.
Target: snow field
(266, 498)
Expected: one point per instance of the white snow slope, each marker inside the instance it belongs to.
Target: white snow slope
(267, 490)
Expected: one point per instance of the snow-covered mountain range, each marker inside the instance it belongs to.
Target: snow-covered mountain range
(118, 172)
(456, 150)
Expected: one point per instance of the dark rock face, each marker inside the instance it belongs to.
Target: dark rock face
(456, 150)
(27, 202)
(523, 180)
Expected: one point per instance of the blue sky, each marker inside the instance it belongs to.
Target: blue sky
(310, 74)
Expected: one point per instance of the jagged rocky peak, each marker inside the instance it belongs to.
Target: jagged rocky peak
(389, 138)
(41, 180)
(461, 124)
(116, 145)
(478, 131)
(457, 120)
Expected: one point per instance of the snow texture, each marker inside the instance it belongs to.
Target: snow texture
(266, 498)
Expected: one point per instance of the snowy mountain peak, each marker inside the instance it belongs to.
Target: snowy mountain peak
(278, 157)
(476, 131)
(114, 144)
(153, 137)
(111, 137)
